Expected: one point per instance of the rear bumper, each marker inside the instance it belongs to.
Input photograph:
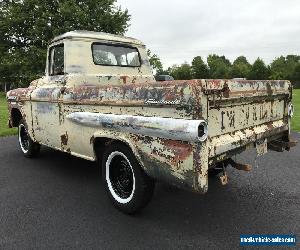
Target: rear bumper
(224, 146)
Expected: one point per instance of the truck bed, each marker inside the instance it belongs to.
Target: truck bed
(242, 112)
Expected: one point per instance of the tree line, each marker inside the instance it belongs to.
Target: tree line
(219, 67)
(27, 27)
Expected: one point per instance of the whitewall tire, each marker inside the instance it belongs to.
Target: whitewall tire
(126, 183)
(28, 147)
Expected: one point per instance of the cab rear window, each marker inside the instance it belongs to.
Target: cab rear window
(115, 55)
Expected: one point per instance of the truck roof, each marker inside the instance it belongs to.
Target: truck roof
(97, 36)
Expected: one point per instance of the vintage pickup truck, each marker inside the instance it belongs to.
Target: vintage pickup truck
(98, 100)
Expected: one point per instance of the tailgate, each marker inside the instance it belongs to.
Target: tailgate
(242, 112)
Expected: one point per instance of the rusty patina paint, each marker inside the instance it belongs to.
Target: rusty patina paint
(64, 139)
(230, 128)
(180, 150)
(155, 119)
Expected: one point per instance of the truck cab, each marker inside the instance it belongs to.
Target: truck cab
(113, 59)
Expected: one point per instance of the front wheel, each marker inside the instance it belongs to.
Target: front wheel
(28, 146)
(126, 184)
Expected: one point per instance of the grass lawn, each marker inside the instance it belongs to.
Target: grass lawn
(4, 130)
(296, 117)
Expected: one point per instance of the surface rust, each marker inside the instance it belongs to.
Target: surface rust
(64, 139)
(125, 104)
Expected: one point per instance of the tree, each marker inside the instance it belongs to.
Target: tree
(278, 69)
(295, 77)
(259, 71)
(240, 67)
(27, 26)
(182, 72)
(296, 73)
(199, 68)
(286, 68)
(219, 66)
(292, 65)
(155, 62)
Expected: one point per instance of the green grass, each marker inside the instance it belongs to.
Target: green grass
(4, 130)
(296, 117)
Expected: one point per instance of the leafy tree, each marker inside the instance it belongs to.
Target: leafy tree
(26, 27)
(286, 68)
(155, 62)
(259, 71)
(295, 77)
(296, 73)
(293, 58)
(182, 72)
(219, 66)
(240, 67)
(292, 62)
(278, 69)
(199, 68)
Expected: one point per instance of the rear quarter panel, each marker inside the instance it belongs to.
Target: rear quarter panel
(181, 163)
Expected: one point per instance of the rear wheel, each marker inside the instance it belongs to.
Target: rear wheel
(28, 146)
(126, 184)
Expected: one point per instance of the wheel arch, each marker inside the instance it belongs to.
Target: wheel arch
(15, 117)
(101, 141)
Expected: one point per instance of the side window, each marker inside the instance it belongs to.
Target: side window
(56, 60)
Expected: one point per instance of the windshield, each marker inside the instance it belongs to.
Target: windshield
(115, 55)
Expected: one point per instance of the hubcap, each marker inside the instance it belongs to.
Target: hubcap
(120, 177)
(23, 138)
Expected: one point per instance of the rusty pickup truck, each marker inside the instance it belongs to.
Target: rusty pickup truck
(99, 101)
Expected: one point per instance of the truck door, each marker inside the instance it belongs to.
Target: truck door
(46, 100)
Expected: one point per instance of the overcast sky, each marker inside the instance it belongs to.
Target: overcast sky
(178, 30)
